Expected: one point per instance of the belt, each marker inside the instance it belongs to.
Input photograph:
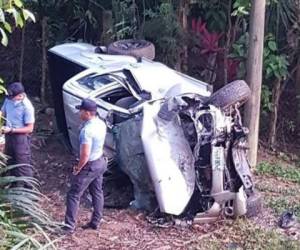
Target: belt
(90, 162)
(18, 134)
(101, 157)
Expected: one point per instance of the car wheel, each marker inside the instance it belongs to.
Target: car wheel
(235, 92)
(254, 204)
(125, 102)
(132, 47)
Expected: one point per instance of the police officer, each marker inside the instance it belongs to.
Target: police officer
(90, 169)
(19, 122)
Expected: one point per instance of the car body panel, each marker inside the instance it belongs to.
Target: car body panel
(170, 160)
(74, 123)
(84, 55)
(157, 79)
(168, 155)
(241, 163)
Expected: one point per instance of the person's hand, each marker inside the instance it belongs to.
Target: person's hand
(5, 129)
(76, 170)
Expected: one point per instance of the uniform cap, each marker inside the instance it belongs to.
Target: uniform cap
(87, 104)
(15, 89)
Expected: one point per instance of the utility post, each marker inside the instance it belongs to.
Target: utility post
(254, 75)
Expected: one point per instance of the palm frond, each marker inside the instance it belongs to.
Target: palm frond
(20, 210)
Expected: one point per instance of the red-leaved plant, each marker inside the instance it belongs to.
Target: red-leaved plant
(208, 41)
(208, 46)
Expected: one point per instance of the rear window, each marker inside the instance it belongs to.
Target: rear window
(93, 81)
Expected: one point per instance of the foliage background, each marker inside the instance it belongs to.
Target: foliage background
(206, 39)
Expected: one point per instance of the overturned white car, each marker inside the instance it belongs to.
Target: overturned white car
(183, 148)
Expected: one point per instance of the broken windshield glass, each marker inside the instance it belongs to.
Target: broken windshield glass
(93, 81)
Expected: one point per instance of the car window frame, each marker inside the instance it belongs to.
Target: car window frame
(108, 106)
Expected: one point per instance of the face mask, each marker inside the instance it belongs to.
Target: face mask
(16, 102)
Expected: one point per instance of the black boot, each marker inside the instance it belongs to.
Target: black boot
(90, 226)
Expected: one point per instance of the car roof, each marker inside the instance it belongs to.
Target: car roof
(84, 54)
(153, 77)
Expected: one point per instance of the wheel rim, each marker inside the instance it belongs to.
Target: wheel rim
(130, 45)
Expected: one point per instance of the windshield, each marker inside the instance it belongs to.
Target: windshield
(93, 81)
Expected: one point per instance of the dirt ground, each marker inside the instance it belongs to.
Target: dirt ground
(128, 229)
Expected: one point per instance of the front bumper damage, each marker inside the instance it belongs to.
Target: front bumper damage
(171, 149)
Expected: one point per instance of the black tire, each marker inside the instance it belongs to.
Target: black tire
(254, 204)
(235, 92)
(125, 102)
(131, 47)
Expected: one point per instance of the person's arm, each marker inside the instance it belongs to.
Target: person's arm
(2, 111)
(29, 120)
(24, 130)
(2, 116)
(85, 151)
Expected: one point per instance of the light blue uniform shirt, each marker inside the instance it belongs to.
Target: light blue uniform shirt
(93, 133)
(18, 114)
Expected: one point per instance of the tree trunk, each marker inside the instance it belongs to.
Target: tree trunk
(107, 24)
(297, 82)
(228, 42)
(184, 63)
(254, 75)
(181, 64)
(297, 77)
(44, 60)
(22, 53)
(274, 114)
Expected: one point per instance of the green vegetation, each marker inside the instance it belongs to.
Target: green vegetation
(220, 53)
(281, 204)
(280, 197)
(12, 10)
(244, 234)
(22, 220)
(288, 173)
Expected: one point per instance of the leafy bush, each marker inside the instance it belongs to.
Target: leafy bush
(275, 65)
(14, 9)
(162, 27)
(22, 220)
(125, 19)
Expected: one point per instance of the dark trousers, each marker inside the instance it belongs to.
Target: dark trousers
(91, 177)
(17, 147)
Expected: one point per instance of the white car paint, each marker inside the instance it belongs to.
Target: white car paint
(169, 157)
(170, 161)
